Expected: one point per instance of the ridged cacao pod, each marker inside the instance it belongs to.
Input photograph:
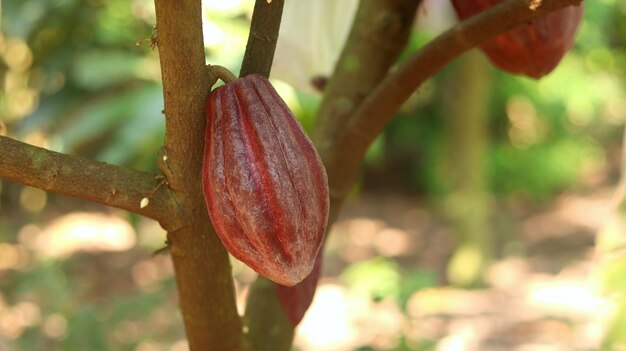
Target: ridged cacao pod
(264, 183)
(533, 49)
(296, 299)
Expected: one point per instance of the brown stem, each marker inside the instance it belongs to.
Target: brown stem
(203, 271)
(264, 29)
(216, 72)
(86, 179)
(369, 119)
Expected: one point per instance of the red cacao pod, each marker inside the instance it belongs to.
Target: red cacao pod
(296, 299)
(533, 49)
(264, 183)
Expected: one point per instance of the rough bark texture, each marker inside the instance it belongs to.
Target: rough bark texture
(88, 179)
(203, 272)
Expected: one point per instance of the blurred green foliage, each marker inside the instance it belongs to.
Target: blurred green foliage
(97, 91)
(381, 278)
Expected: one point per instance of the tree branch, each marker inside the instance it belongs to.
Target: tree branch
(378, 36)
(378, 108)
(203, 271)
(264, 29)
(86, 179)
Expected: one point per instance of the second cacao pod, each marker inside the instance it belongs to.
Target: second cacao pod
(533, 49)
(296, 300)
(264, 184)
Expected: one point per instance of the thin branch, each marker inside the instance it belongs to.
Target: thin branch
(378, 108)
(86, 179)
(264, 29)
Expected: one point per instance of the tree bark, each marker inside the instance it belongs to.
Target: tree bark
(87, 179)
(203, 271)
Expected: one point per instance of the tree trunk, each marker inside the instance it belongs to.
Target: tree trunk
(203, 271)
(466, 98)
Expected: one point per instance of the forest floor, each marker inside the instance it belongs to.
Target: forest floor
(542, 292)
(80, 276)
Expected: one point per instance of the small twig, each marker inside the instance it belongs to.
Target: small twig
(152, 40)
(162, 250)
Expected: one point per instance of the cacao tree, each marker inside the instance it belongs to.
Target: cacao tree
(359, 100)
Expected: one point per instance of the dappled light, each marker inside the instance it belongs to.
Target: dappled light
(522, 305)
(78, 231)
(32, 199)
(55, 326)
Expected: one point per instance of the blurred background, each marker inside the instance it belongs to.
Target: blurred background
(489, 215)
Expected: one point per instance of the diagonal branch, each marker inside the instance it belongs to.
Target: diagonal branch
(261, 45)
(86, 179)
(378, 108)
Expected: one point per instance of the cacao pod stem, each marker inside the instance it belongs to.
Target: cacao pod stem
(216, 72)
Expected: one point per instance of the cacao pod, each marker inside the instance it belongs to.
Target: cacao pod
(264, 184)
(296, 299)
(533, 49)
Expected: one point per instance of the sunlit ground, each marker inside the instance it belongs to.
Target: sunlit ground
(383, 283)
(549, 300)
